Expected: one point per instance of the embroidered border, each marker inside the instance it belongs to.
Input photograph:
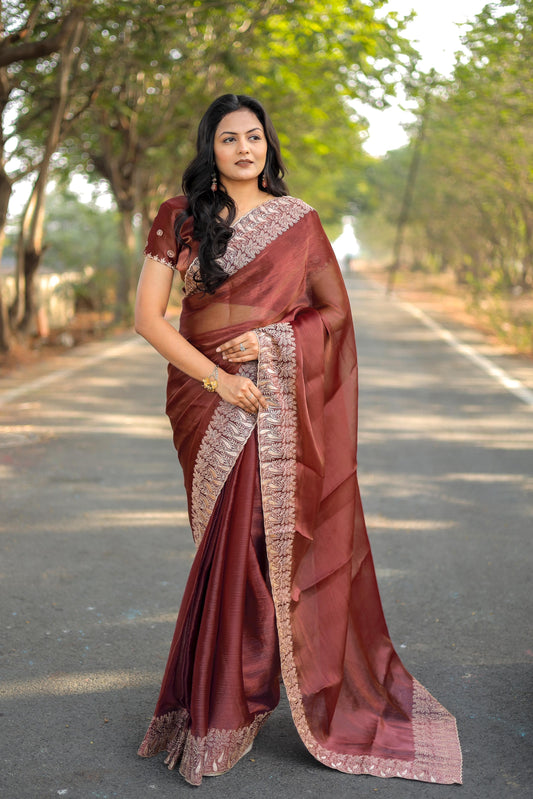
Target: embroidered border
(227, 433)
(436, 738)
(190, 285)
(160, 259)
(437, 756)
(214, 754)
(259, 227)
(253, 232)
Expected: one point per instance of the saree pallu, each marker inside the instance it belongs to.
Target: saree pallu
(283, 578)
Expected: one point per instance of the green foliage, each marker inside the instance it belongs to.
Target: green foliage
(78, 235)
(144, 73)
(304, 60)
(472, 209)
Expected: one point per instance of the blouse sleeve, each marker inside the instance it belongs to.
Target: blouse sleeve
(161, 244)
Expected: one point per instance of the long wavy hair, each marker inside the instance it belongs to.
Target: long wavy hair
(211, 230)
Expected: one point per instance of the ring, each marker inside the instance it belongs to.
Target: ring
(242, 347)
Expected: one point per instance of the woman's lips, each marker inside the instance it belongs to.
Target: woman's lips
(244, 163)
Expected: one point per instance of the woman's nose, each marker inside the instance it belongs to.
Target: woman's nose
(243, 146)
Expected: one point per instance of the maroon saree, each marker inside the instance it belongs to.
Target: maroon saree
(283, 579)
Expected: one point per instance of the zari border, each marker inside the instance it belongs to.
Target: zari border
(259, 227)
(437, 756)
(208, 756)
(253, 232)
(227, 433)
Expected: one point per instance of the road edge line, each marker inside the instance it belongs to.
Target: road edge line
(34, 385)
(512, 384)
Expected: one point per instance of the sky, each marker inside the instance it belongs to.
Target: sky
(436, 35)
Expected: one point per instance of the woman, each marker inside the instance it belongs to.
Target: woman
(262, 394)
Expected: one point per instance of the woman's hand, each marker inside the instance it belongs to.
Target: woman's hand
(240, 391)
(241, 349)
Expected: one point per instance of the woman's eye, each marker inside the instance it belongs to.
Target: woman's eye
(228, 139)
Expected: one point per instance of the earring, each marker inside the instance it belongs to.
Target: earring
(214, 184)
(264, 183)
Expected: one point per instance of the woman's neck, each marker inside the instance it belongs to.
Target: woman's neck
(246, 197)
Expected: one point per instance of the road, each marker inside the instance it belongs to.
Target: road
(96, 547)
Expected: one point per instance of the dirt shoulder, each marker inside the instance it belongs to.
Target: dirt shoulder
(507, 324)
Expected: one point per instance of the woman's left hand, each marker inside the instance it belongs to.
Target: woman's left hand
(241, 349)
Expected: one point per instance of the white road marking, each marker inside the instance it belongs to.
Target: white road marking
(46, 380)
(513, 385)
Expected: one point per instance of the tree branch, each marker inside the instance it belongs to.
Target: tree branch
(10, 53)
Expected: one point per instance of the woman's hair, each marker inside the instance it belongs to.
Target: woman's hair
(210, 229)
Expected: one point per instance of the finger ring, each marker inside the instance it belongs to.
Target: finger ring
(242, 347)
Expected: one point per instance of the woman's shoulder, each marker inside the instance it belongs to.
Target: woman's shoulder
(162, 244)
(172, 210)
(300, 211)
(176, 204)
(292, 209)
(294, 202)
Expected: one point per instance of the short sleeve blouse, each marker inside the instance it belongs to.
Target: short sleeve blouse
(161, 244)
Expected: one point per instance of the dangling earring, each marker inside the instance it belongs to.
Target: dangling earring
(264, 183)
(214, 184)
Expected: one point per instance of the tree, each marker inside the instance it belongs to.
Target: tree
(25, 35)
(305, 64)
(119, 95)
(472, 207)
(30, 249)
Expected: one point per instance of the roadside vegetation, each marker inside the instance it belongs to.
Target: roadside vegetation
(456, 205)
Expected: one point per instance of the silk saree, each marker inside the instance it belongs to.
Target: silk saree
(283, 581)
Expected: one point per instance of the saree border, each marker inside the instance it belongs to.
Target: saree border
(253, 232)
(223, 441)
(437, 756)
(207, 756)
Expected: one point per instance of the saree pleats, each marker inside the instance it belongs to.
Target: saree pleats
(222, 675)
(284, 576)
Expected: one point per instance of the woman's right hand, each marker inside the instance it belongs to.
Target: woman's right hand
(240, 391)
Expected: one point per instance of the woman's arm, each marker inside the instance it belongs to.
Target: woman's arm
(153, 293)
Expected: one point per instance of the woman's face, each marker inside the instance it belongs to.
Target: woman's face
(240, 147)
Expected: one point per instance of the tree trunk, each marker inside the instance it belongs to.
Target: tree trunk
(407, 199)
(527, 258)
(125, 284)
(121, 173)
(6, 186)
(5, 194)
(5, 333)
(20, 47)
(31, 234)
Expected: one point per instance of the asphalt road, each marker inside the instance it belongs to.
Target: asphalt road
(95, 550)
